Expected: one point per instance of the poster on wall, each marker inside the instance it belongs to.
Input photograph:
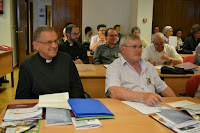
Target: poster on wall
(1, 6)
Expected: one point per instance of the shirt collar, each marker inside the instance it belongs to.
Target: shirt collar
(141, 62)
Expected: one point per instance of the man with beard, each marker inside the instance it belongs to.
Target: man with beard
(73, 47)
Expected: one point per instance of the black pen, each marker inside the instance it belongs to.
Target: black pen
(28, 129)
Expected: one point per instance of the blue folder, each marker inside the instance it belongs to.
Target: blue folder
(88, 107)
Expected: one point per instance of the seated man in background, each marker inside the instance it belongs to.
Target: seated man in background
(159, 53)
(131, 78)
(107, 53)
(73, 47)
(192, 41)
(117, 28)
(98, 39)
(48, 71)
(197, 55)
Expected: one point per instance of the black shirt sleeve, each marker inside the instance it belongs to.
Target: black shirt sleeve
(24, 84)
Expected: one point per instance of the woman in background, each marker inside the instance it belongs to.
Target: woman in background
(136, 31)
(179, 33)
(167, 31)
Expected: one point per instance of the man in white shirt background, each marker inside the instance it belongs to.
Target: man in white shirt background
(98, 39)
(159, 53)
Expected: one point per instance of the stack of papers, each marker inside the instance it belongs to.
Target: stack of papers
(192, 108)
(84, 124)
(57, 100)
(177, 120)
(23, 113)
(55, 116)
(89, 109)
(28, 126)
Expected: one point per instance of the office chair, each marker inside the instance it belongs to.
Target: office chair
(192, 85)
(189, 58)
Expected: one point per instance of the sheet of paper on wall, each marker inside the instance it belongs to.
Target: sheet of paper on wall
(173, 41)
(143, 108)
(56, 100)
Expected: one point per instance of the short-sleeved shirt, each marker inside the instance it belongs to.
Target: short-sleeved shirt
(121, 74)
(104, 54)
(95, 39)
(151, 54)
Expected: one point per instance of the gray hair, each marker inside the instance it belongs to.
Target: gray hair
(134, 29)
(124, 40)
(36, 34)
(195, 28)
(157, 36)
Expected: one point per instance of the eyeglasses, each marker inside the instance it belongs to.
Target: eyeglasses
(112, 35)
(102, 30)
(134, 46)
(49, 43)
(76, 34)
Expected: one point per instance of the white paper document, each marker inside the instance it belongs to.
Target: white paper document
(84, 124)
(180, 103)
(57, 100)
(143, 108)
(173, 41)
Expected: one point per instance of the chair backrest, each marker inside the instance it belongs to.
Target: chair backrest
(192, 85)
(189, 58)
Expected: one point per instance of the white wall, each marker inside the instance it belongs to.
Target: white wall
(109, 12)
(127, 13)
(8, 27)
(145, 10)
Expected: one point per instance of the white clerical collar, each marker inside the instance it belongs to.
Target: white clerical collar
(70, 44)
(48, 61)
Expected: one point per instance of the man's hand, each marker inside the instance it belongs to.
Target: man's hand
(153, 62)
(165, 57)
(78, 61)
(152, 99)
(102, 38)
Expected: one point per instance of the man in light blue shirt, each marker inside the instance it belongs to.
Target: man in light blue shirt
(131, 78)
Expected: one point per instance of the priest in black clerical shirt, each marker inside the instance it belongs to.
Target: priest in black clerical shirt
(48, 71)
(73, 47)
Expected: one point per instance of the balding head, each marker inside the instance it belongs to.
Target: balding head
(159, 41)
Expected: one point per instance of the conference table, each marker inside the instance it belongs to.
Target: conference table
(6, 64)
(93, 80)
(127, 119)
